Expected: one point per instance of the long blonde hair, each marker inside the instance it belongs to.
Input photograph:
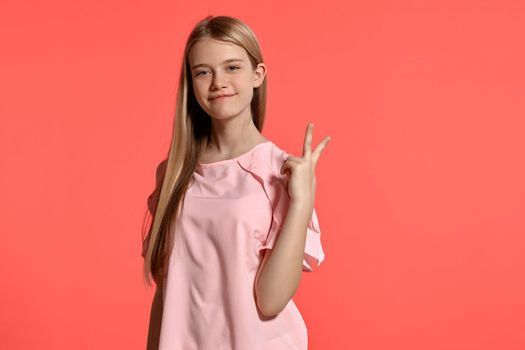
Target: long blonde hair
(190, 135)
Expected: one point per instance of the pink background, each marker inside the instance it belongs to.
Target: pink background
(421, 198)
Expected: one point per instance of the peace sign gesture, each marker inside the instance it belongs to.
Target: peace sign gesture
(302, 183)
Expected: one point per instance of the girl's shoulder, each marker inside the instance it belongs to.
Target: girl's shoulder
(266, 162)
(271, 157)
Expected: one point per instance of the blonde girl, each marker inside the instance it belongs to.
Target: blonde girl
(233, 220)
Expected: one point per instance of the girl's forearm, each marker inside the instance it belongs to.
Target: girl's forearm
(281, 272)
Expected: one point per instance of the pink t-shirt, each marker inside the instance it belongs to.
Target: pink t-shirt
(232, 210)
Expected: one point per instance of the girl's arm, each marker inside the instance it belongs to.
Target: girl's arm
(155, 320)
(280, 272)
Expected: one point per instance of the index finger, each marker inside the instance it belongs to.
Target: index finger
(308, 140)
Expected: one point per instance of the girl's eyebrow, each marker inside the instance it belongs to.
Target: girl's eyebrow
(225, 61)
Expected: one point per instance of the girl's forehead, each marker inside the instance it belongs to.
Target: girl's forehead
(209, 50)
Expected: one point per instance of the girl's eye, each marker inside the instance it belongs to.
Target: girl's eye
(200, 73)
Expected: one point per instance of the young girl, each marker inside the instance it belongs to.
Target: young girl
(234, 223)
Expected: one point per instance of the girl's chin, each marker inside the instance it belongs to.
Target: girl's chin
(224, 114)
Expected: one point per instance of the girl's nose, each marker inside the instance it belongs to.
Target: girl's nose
(218, 80)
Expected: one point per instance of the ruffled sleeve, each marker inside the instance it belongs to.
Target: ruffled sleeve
(265, 165)
(153, 200)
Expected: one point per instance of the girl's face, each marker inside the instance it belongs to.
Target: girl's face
(221, 68)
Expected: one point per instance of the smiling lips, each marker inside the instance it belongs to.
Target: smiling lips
(220, 98)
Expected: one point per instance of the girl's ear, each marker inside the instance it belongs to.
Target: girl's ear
(259, 74)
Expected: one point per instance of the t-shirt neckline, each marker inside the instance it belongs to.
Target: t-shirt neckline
(225, 161)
